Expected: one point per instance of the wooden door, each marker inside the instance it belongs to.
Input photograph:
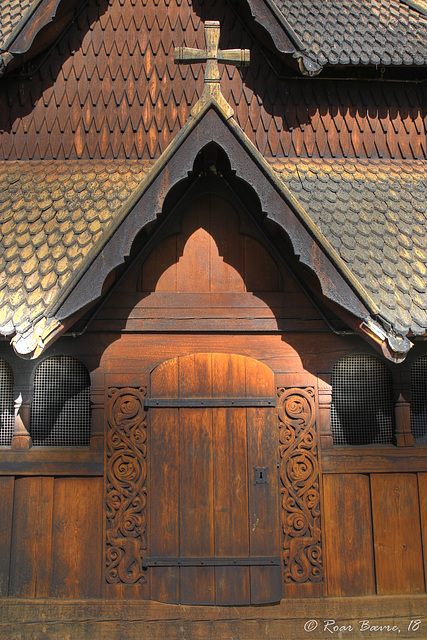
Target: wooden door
(214, 508)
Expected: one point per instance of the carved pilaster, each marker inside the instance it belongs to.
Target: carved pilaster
(299, 477)
(126, 493)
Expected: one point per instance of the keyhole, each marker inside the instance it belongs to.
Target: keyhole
(260, 475)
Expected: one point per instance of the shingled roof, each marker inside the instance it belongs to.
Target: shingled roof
(369, 217)
(374, 214)
(52, 217)
(11, 14)
(56, 215)
(359, 32)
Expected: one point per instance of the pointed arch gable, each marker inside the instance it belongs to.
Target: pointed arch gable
(247, 164)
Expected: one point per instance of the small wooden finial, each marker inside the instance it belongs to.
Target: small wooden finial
(212, 55)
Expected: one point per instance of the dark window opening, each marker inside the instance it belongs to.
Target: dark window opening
(419, 400)
(60, 413)
(362, 410)
(7, 413)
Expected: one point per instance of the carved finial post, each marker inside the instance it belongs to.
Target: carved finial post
(212, 55)
(21, 439)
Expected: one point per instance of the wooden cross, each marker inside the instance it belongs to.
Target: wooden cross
(212, 55)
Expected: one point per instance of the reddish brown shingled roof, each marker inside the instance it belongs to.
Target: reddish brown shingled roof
(111, 89)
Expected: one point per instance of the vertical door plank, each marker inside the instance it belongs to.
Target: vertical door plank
(6, 511)
(397, 535)
(164, 455)
(196, 504)
(348, 535)
(422, 490)
(196, 479)
(266, 582)
(31, 556)
(228, 376)
(231, 504)
(77, 538)
(263, 442)
(231, 480)
(195, 376)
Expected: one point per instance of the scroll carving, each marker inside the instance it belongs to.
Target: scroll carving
(126, 493)
(299, 479)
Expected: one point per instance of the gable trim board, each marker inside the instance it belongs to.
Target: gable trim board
(210, 124)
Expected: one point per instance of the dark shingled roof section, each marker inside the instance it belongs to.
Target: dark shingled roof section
(359, 32)
(374, 214)
(52, 215)
(11, 12)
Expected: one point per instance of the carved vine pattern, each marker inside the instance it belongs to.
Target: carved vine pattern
(126, 492)
(299, 478)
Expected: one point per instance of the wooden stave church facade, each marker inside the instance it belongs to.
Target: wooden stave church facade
(130, 311)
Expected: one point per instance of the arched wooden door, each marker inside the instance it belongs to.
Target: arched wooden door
(214, 508)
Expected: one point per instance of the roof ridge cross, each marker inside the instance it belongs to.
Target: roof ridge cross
(212, 55)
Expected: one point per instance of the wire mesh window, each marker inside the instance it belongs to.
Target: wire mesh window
(60, 412)
(7, 413)
(362, 410)
(419, 400)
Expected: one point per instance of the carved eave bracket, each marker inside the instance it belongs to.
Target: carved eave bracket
(34, 341)
(394, 346)
(212, 55)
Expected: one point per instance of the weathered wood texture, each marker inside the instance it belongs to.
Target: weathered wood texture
(56, 537)
(45, 462)
(348, 535)
(110, 90)
(202, 492)
(215, 274)
(397, 535)
(77, 533)
(422, 488)
(6, 510)
(151, 621)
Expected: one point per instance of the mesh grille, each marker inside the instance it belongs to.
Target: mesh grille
(362, 410)
(60, 415)
(7, 412)
(419, 400)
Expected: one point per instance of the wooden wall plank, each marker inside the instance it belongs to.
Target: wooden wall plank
(31, 556)
(397, 534)
(133, 620)
(77, 538)
(348, 535)
(263, 444)
(6, 511)
(422, 489)
(231, 503)
(163, 491)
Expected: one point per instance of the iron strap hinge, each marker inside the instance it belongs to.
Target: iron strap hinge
(259, 561)
(209, 402)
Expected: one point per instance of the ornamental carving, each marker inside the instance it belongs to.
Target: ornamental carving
(126, 493)
(299, 486)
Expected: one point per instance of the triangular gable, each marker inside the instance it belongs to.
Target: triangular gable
(276, 200)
